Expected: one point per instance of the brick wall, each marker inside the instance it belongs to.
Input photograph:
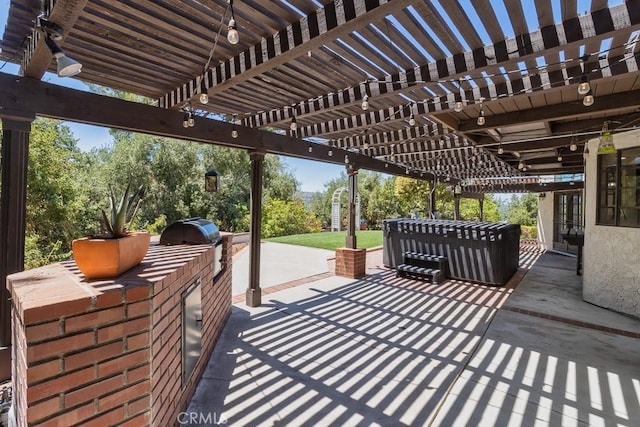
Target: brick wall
(105, 352)
(351, 263)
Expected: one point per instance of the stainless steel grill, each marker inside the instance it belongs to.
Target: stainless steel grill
(190, 231)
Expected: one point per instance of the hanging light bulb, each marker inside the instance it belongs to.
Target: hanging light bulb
(234, 131)
(458, 107)
(585, 153)
(185, 121)
(190, 121)
(481, 120)
(346, 159)
(330, 153)
(294, 123)
(521, 165)
(573, 146)
(412, 120)
(500, 149)
(232, 35)
(559, 158)
(584, 86)
(365, 102)
(588, 99)
(310, 149)
(204, 96)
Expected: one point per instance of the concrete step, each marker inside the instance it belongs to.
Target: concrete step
(424, 257)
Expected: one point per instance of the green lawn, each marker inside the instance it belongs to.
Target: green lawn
(331, 240)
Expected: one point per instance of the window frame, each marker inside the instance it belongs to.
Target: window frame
(602, 190)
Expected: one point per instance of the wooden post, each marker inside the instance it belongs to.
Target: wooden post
(13, 211)
(351, 242)
(432, 200)
(481, 207)
(456, 207)
(253, 295)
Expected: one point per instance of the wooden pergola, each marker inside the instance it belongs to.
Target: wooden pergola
(485, 95)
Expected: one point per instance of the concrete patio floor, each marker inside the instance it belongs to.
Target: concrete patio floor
(392, 352)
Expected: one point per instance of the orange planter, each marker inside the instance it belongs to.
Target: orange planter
(106, 258)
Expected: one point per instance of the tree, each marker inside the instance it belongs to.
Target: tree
(59, 190)
(283, 218)
(523, 209)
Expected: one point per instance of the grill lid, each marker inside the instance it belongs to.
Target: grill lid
(192, 231)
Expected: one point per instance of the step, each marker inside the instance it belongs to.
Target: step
(436, 275)
(424, 257)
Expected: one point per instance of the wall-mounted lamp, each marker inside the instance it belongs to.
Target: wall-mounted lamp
(212, 181)
(232, 35)
(67, 67)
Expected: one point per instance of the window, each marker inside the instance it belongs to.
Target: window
(619, 188)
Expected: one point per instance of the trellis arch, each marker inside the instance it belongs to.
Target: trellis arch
(336, 209)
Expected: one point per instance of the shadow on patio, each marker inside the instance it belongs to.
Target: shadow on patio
(390, 351)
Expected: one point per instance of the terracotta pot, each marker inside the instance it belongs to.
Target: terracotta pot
(106, 258)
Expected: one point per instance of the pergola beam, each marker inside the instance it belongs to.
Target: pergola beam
(615, 102)
(45, 99)
(549, 40)
(337, 19)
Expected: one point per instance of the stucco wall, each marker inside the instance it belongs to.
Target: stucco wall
(545, 220)
(611, 254)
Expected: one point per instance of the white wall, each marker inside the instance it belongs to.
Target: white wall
(611, 259)
(545, 220)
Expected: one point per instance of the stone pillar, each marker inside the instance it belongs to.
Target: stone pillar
(253, 295)
(351, 241)
(13, 210)
(351, 263)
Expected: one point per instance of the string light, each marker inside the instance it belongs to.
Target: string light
(234, 131)
(588, 99)
(294, 123)
(583, 86)
(585, 153)
(412, 120)
(232, 35)
(190, 121)
(500, 149)
(365, 103)
(481, 120)
(330, 153)
(185, 121)
(204, 96)
(573, 146)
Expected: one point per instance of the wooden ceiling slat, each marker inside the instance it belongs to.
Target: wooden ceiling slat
(489, 19)
(367, 51)
(121, 33)
(437, 24)
(462, 23)
(568, 9)
(516, 16)
(545, 13)
(400, 39)
(383, 44)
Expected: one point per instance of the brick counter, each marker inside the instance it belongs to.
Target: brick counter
(109, 351)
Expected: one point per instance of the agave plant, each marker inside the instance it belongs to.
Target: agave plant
(122, 213)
